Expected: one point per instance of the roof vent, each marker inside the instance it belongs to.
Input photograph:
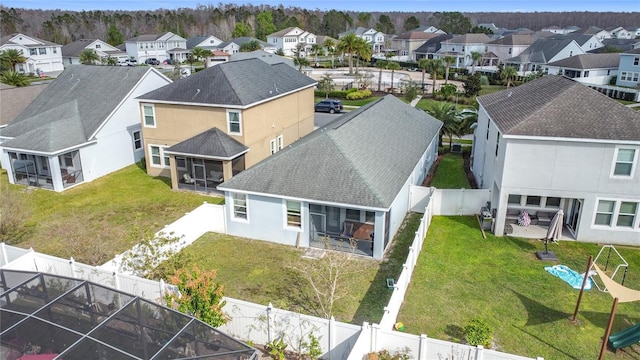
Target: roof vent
(509, 94)
(197, 91)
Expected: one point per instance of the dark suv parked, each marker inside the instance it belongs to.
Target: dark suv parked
(152, 61)
(329, 105)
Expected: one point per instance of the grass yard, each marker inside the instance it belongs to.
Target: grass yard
(426, 103)
(95, 221)
(262, 272)
(488, 89)
(460, 276)
(450, 173)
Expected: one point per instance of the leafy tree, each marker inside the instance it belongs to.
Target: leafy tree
(410, 90)
(241, 29)
(315, 51)
(381, 64)
(385, 24)
(508, 74)
(433, 66)
(300, 61)
(114, 36)
(348, 45)
(452, 22)
(325, 84)
(109, 60)
(89, 57)
(10, 58)
(472, 85)
(199, 295)
(411, 23)
(264, 25)
(293, 22)
(476, 57)
(249, 46)
(448, 61)
(201, 54)
(393, 66)
(445, 112)
(481, 30)
(9, 21)
(364, 19)
(334, 22)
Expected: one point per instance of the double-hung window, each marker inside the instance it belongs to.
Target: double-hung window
(617, 213)
(604, 212)
(239, 206)
(627, 214)
(149, 115)
(158, 157)
(294, 214)
(624, 163)
(137, 140)
(234, 122)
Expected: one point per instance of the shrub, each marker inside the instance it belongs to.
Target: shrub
(359, 94)
(276, 348)
(484, 80)
(448, 89)
(478, 332)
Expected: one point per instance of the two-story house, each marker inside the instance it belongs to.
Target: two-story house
(372, 36)
(599, 33)
(408, 42)
(589, 69)
(71, 52)
(460, 47)
(542, 52)
(82, 126)
(204, 129)
(509, 46)
(629, 69)
(42, 56)
(290, 38)
(560, 30)
(553, 144)
(157, 46)
(588, 43)
(622, 33)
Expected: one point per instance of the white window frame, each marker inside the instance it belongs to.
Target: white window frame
(234, 217)
(280, 141)
(164, 159)
(272, 146)
(229, 122)
(634, 215)
(287, 225)
(615, 214)
(615, 162)
(144, 115)
(137, 147)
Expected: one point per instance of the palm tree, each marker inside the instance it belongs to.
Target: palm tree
(476, 57)
(507, 74)
(11, 57)
(448, 61)
(201, 54)
(315, 50)
(330, 45)
(347, 45)
(300, 61)
(109, 60)
(362, 50)
(14, 78)
(445, 112)
(433, 66)
(381, 64)
(393, 66)
(89, 57)
(423, 64)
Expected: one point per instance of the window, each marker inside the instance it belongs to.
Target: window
(66, 160)
(97, 46)
(280, 144)
(586, 74)
(55, 50)
(553, 202)
(627, 214)
(272, 146)
(624, 164)
(353, 215)
(158, 158)
(488, 123)
(181, 163)
(370, 217)
(636, 61)
(497, 143)
(149, 115)
(533, 200)
(294, 217)
(42, 51)
(137, 140)
(239, 206)
(604, 213)
(33, 51)
(234, 122)
(514, 199)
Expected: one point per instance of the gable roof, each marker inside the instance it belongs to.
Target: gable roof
(415, 35)
(542, 50)
(241, 83)
(72, 107)
(245, 39)
(363, 158)
(581, 39)
(434, 44)
(591, 30)
(265, 56)
(195, 41)
(213, 143)
(15, 99)
(470, 39)
(514, 39)
(555, 106)
(285, 32)
(589, 61)
(6, 40)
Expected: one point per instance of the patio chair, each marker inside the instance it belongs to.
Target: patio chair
(188, 179)
(347, 230)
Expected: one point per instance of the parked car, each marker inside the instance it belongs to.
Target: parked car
(152, 61)
(123, 63)
(131, 62)
(168, 62)
(329, 105)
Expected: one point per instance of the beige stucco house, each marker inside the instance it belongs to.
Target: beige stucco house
(203, 129)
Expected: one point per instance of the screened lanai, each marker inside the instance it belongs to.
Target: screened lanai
(45, 316)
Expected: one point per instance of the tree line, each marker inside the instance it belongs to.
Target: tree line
(227, 21)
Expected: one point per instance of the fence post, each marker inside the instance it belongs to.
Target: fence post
(374, 336)
(422, 349)
(5, 258)
(332, 336)
(116, 279)
(269, 308)
(479, 352)
(72, 266)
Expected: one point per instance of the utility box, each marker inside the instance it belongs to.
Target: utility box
(487, 218)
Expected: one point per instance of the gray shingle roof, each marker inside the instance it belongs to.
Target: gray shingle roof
(213, 143)
(75, 48)
(6, 40)
(245, 39)
(267, 57)
(240, 83)
(72, 107)
(514, 39)
(554, 106)
(470, 39)
(146, 37)
(363, 158)
(589, 61)
(195, 40)
(541, 51)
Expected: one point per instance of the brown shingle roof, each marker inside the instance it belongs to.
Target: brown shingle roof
(554, 106)
(515, 39)
(416, 35)
(470, 39)
(15, 99)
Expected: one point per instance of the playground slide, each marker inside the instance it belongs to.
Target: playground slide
(624, 338)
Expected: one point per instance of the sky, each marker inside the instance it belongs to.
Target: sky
(345, 5)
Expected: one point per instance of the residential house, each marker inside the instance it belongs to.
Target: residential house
(542, 52)
(208, 127)
(588, 43)
(84, 125)
(618, 45)
(71, 52)
(209, 42)
(264, 45)
(406, 43)
(589, 69)
(157, 46)
(431, 46)
(267, 57)
(553, 144)
(290, 38)
(599, 33)
(506, 47)
(623, 33)
(42, 56)
(559, 30)
(430, 29)
(460, 47)
(321, 39)
(14, 99)
(372, 36)
(348, 181)
(629, 69)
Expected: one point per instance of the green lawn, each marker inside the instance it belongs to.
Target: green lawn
(262, 272)
(425, 103)
(488, 89)
(450, 173)
(460, 276)
(94, 221)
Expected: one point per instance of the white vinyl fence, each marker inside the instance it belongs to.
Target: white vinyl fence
(459, 202)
